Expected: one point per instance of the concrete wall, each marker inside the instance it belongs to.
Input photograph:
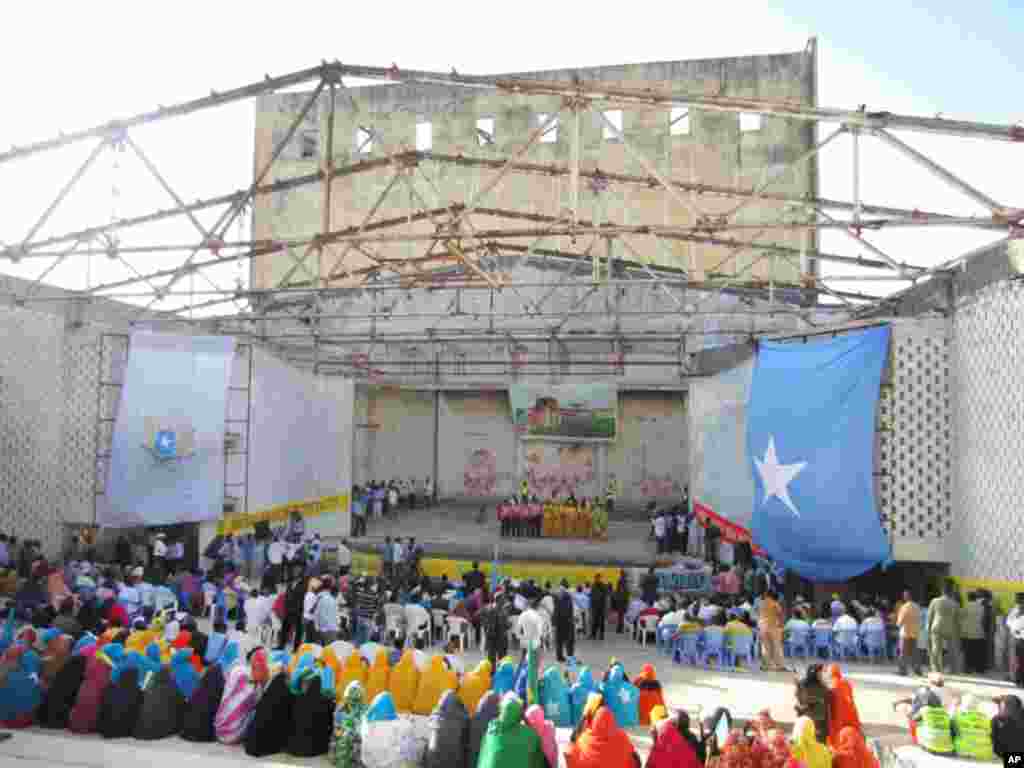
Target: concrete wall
(988, 424)
(714, 151)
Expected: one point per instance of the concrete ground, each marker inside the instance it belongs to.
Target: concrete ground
(744, 693)
(451, 530)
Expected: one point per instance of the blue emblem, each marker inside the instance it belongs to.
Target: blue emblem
(166, 444)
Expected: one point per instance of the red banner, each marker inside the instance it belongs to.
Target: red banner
(731, 532)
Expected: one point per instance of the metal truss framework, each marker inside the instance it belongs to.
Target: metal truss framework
(459, 255)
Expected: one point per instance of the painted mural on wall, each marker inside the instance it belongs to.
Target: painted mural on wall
(480, 477)
(660, 486)
(586, 411)
(560, 470)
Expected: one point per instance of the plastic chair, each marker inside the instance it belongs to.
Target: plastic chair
(686, 647)
(796, 642)
(418, 632)
(822, 642)
(394, 620)
(874, 643)
(438, 617)
(740, 646)
(648, 626)
(665, 634)
(458, 628)
(846, 645)
(714, 645)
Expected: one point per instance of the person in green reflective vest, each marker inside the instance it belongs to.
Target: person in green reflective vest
(972, 731)
(930, 725)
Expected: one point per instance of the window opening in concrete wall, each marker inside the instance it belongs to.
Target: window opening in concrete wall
(424, 137)
(485, 131)
(679, 121)
(614, 116)
(749, 122)
(550, 136)
(309, 145)
(364, 141)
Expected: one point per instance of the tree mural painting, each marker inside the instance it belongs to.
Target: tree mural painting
(580, 411)
(480, 477)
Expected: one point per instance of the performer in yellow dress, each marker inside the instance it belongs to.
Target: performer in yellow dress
(548, 526)
(586, 514)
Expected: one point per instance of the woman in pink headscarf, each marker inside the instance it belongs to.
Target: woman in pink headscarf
(546, 730)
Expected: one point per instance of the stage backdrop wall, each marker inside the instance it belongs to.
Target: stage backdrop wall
(300, 443)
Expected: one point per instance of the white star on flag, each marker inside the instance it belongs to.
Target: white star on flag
(776, 477)
(624, 695)
(553, 709)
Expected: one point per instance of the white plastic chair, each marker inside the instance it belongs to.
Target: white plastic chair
(341, 649)
(648, 626)
(458, 628)
(394, 620)
(416, 631)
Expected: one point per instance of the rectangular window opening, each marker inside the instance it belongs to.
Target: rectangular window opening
(364, 141)
(614, 116)
(749, 122)
(485, 131)
(550, 136)
(679, 121)
(309, 147)
(424, 137)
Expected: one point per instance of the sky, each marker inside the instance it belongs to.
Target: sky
(68, 66)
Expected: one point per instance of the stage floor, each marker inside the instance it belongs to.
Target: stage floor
(452, 531)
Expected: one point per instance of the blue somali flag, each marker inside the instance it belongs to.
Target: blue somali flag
(811, 440)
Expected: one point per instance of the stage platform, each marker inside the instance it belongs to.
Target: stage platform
(451, 531)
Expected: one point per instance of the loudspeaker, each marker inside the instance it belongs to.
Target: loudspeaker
(261, 531)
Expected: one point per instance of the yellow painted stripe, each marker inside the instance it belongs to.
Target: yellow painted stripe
(1003, 592)
(245, 521)
(513, 569)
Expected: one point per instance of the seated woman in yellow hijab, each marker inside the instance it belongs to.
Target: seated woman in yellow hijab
(405, 681)
(354, 670)
(548, 527)
(806, 747)
(435, 681)
(379, 678)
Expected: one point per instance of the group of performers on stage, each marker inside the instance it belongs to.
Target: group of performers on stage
(527, 516)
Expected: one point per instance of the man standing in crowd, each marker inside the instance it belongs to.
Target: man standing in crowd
(565, 626)
(387, 557)
(275, 556)
(1015, 623)
(972, 635)
(711, 538)
(769, 625)
(5, 555)
(160, 556)
(598, 608)
(428, 493)
(909, 621)
(944, 629)
(474, 579)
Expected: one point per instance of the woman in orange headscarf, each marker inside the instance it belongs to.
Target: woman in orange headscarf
(844, 709)
(603, 745)
(852, 752)
(650, 693)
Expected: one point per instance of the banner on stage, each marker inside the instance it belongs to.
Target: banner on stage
(167, 447)
(575, 411)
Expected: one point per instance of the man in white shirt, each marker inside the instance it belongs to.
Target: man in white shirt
(398, 550)
(309, 604)
(845, 623)
(129, 594)
(160, 556)
(659, 531)
(428, 493)
(275, 556)
(519, 602)
(530, 628)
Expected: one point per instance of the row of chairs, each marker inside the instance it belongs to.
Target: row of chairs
(699, 648)
(819, 642)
